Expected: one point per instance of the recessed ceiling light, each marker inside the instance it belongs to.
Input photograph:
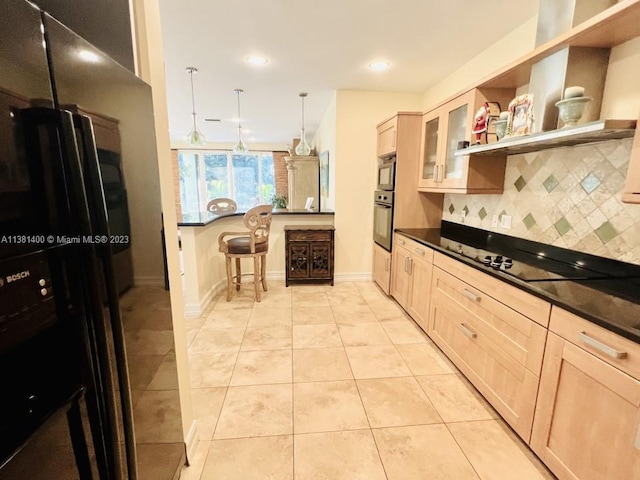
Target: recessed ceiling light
(257, 60)
(379, 66)
(88, 56)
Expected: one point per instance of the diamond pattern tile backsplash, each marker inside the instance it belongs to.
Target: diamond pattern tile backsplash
(569, 197)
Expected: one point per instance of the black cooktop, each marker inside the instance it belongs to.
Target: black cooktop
(526, 266)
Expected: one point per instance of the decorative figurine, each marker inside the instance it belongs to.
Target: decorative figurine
(481, 121)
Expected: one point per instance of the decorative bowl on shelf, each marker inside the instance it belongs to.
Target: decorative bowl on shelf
(501, 128)
(572, 109)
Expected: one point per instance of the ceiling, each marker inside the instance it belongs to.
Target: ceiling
(316, 47)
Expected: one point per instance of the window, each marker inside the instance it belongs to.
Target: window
(204, 175)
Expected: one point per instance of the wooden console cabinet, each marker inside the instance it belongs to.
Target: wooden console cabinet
(309, 253)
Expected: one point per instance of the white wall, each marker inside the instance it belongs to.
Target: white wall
(621, 99)
(357, 115)
(512, 46)
(325, 140)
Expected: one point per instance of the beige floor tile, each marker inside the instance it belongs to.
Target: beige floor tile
(455, 398)
(154, 405)
(425, 359)
(394, 402)
(359, 334)
(274, 299)
(250, 459)
(148, 342)
(237, 317)
(337, 456)
(309, 299)
(207, 403)
(256, 411)
(216, 340)
(350, 299)
(159, 461)
(404, 332)
(191, 334)
(353, 314)
(327, 406)
(142, 370)
(422, 452)
(387, 310)
(309, 288)
(267, 338)
(265, 315)
(262, 367)
(244, 299)
(211, 370)
(320, 364)
(311, 316)
(196, 462)
(166, 377)
(340, 288)
(313, 336)
(377, 361)
(496, 453)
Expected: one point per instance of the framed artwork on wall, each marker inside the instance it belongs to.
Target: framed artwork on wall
(520, 121)
(324, 180)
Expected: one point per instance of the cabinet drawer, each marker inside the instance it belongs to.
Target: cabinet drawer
(516, 341)
(520, 301)
(503, 381)
(618, 351)
(416, 249)
(309, 236)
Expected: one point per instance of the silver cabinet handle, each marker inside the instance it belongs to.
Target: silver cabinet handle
(419, 251)
(466, 331)
(471, 295)
(601, 347)
(435, 173)
(386, 264)
(410, 266)
(405, 264)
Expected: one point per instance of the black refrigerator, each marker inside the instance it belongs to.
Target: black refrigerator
(87, 366)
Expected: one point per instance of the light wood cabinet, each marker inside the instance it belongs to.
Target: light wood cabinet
(587, 421)
(412, 266)
(497, 348)
(382, 268)
(440, 170)
(387, 136)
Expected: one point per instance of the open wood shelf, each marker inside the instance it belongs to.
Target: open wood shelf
(617, 24)
(565, 137)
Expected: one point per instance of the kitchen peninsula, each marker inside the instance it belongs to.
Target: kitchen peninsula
(203, 266)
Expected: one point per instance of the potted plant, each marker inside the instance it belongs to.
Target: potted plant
(279, 202)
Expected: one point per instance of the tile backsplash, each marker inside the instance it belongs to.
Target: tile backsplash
(569, 197)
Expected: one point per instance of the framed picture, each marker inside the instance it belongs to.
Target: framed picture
(520, 120)
(324, 180)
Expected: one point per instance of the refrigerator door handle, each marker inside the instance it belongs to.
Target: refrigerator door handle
(97, 204)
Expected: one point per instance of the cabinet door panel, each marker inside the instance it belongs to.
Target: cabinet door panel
(298, 260)
(382, 268)
(400, 275)
(387, 133)
(588, 416)
(320, 266)
(420, 291)
(429, 149)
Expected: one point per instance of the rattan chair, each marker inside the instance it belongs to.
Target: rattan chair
(222, 205)
(252, 244)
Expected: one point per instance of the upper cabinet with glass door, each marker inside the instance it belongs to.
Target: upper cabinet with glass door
(442, 129)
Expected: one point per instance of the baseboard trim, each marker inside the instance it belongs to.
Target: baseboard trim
(196, 309)
(192, 440)
(353, 277)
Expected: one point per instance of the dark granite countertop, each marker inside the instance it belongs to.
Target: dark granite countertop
(611, 299)
(201, 219)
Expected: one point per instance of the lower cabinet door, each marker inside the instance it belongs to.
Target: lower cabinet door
(420, 291)
(400, 279)
(298, 260)
(476, 348)
(320, 260)
(587, 422)
(382, 268)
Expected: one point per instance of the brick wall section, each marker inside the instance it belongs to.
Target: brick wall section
(280, 173)
(176, 183)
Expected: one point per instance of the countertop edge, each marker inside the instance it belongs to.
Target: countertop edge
(527, 287)
(240, 214)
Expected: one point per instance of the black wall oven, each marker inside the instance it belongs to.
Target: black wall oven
(386, 173)
(383, 218)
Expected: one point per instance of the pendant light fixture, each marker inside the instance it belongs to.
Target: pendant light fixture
(195, 137)
(240, 146)
(303, 147)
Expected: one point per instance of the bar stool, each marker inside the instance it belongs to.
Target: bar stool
(252, 244)
(222, 205)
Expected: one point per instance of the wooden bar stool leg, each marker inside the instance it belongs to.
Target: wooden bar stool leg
(256, 276)
(238, 274)
(229, 277)
(263, 271)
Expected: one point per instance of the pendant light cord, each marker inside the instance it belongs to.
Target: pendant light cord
(193, 98)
